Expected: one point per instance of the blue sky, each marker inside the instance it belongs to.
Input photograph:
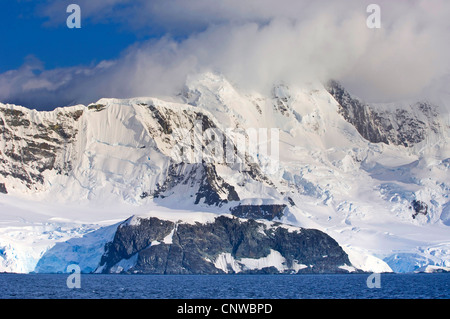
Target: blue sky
(24, 33)
(129, 48)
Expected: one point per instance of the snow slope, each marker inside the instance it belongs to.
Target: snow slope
(72, 171)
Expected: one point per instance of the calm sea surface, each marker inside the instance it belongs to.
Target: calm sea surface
(354, 286)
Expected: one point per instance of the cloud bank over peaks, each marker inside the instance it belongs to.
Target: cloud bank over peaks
(253, 44)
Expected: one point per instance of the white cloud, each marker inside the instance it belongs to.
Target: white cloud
(254, 43)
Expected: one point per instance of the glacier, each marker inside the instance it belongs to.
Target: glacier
(69, 176)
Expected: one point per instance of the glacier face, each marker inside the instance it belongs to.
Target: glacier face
(353, 170)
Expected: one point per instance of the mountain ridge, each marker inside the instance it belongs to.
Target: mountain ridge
(126, 152)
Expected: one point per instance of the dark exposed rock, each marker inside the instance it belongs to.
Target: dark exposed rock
(96, 107)
(3, 188)
(60, 131)
(268, 212)
(186, 169)
(398, 128)
(202, 177)
(15, 118)
(254, 172)
(291, 201)
(136, 237)
(18, 173)
(77, 114)
(34, 149)
(419, 207)
(13, 112)
(282, 100)
(144, 195)
(193, 248)
(167, 119)
(163, 121)
(211, 185)
(206, 121)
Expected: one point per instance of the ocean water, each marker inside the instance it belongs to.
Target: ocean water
(353, 286)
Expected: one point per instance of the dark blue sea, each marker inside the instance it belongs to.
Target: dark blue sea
(353, 286)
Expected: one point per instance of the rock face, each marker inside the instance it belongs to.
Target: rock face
(39, 148)
(397, 126)
(226, 245)
(419, 207)
(268, 212)
(207, 151)
(211, 188)
(32, 146)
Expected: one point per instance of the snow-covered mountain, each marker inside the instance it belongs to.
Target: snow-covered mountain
(375, 178)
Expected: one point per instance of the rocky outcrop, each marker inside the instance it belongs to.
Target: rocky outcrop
(32, 147)
(398, 126)
(226, 245)
(212, 186)
(268, 212)
(419, 207)
(36, 144)
(208, 186)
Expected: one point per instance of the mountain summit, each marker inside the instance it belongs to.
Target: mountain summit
(373, 177)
